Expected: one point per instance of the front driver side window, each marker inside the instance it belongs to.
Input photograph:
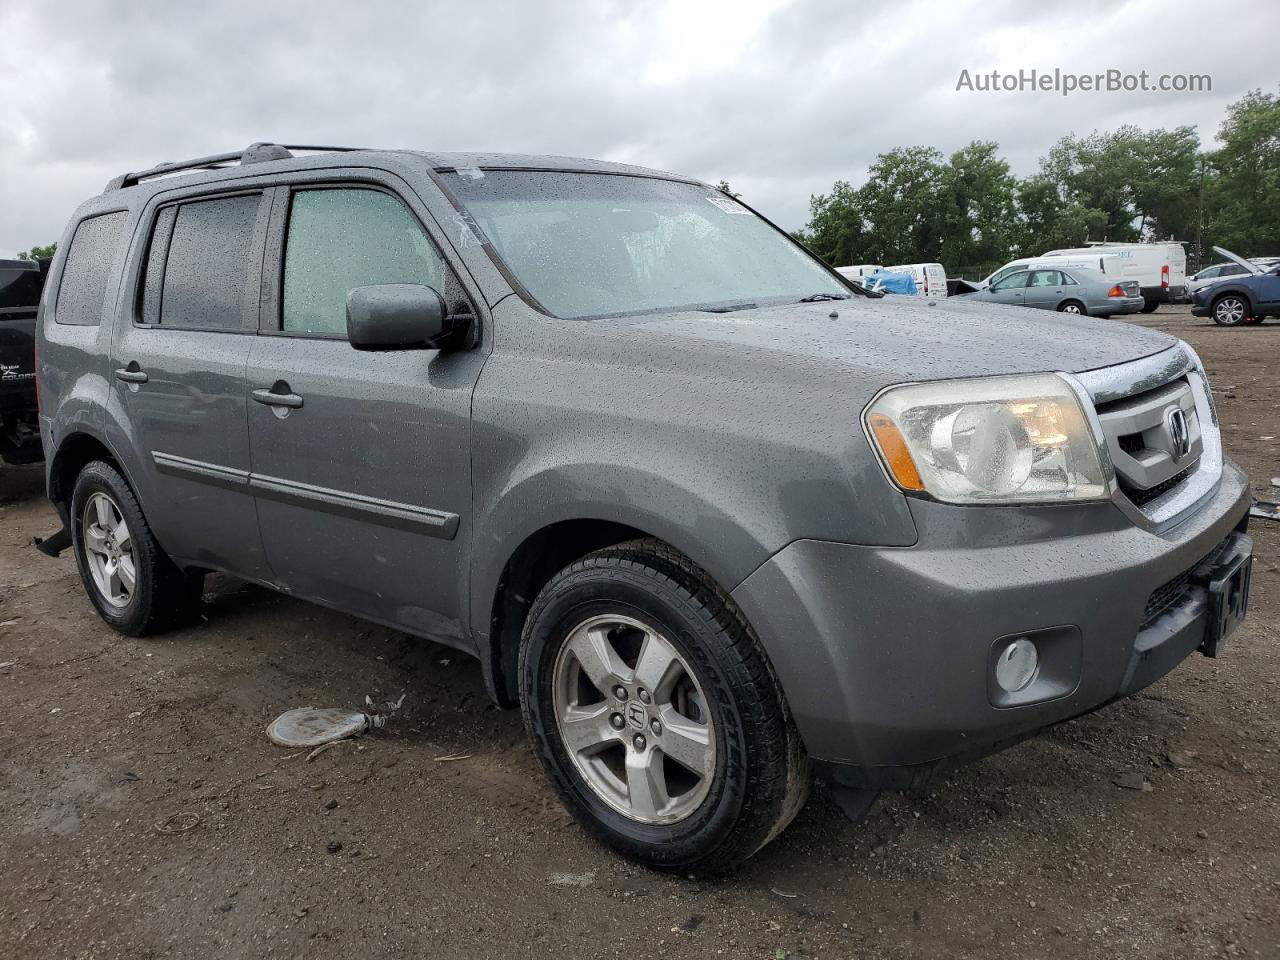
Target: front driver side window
(344, 238)
(1011, 282)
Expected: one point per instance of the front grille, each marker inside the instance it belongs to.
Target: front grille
(1174, 591)
(1144, 450)
(1165, 596)
(1132, 443)
(1143, 497)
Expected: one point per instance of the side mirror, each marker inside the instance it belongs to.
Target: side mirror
(397, 316)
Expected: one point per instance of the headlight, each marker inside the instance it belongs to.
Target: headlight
(1022, 439)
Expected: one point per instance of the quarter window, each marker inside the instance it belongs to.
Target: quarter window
(340, 239)
(88, 266)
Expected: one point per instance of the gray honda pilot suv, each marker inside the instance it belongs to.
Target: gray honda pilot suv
(713, 516)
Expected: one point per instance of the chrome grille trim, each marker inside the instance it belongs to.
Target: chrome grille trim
(1124, 380)
(1142, 376)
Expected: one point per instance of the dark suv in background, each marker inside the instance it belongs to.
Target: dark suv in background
(709, 513)
(20, 284)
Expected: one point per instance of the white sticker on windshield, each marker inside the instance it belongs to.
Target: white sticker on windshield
(729, 205)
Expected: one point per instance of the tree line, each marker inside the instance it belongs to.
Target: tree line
(969, 212)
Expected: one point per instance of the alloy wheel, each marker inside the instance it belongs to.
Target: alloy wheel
(634, 719)
(108, 550)
(1229, 311)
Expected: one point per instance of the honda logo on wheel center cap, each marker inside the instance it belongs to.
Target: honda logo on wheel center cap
(637, 716)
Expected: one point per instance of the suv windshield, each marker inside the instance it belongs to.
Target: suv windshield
(590, 245)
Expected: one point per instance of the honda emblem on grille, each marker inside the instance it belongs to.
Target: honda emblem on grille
(1179, 435)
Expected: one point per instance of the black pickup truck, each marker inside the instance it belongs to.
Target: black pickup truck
(20, 284)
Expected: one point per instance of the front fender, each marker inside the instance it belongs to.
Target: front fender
(728, 537)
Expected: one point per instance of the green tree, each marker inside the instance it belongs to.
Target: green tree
(1242, 186)
(38, 253)
(901, 204)
(723, 187)
(836, 230)
(979, 209)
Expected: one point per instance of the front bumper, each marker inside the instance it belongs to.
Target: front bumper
(884, 652)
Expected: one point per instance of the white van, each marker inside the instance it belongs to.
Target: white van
(1159, 268)
(1106, 264)
(930, 278)
(859, 271)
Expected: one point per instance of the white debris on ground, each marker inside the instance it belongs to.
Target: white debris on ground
(314, 726)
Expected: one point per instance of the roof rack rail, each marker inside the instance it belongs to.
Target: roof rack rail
(254, 153)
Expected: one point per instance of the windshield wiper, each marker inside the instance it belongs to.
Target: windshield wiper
(817, 297)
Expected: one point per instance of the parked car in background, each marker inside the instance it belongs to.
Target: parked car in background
(1104, 263)
(20, 284)
(930, 278)
(1075, 290)
(1239, 300)
(711, 517)
(1212, 274)
(1159, 268)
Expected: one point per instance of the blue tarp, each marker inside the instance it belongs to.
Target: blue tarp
(888, 282)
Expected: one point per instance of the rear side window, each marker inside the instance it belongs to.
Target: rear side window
(343, 238)
(198, 265)
(87, 269)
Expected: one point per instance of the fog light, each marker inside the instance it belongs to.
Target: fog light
(1016, 666)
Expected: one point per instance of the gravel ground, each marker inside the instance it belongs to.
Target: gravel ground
(1148, 829)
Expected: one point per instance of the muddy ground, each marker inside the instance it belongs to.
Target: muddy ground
(381, 848)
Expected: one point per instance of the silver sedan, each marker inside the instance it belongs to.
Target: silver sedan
(1072, 290)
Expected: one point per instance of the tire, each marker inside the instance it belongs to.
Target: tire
(1072, 306)
(1230, 310)
(644, 597)
(1150, 306)
(160, 595)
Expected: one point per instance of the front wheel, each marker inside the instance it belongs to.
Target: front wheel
(655, 712)
(1230, 311)
(1071, 306)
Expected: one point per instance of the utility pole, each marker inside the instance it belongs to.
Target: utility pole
(1200, 219)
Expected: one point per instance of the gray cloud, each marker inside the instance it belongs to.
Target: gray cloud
(780, 98)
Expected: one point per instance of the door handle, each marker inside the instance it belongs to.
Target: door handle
(131, 374)
(273, 399)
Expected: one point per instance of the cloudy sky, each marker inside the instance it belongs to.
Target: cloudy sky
(781, 98)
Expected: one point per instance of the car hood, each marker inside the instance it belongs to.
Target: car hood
(1253, 268)
(895, 339)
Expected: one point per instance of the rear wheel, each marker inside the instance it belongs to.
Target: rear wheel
(1230, 310)
(133, 584)
(656, 714)
(1071, 306)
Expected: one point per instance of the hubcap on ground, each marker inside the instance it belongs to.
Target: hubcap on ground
(108, 548)
(656, 765)
(1230, 311)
